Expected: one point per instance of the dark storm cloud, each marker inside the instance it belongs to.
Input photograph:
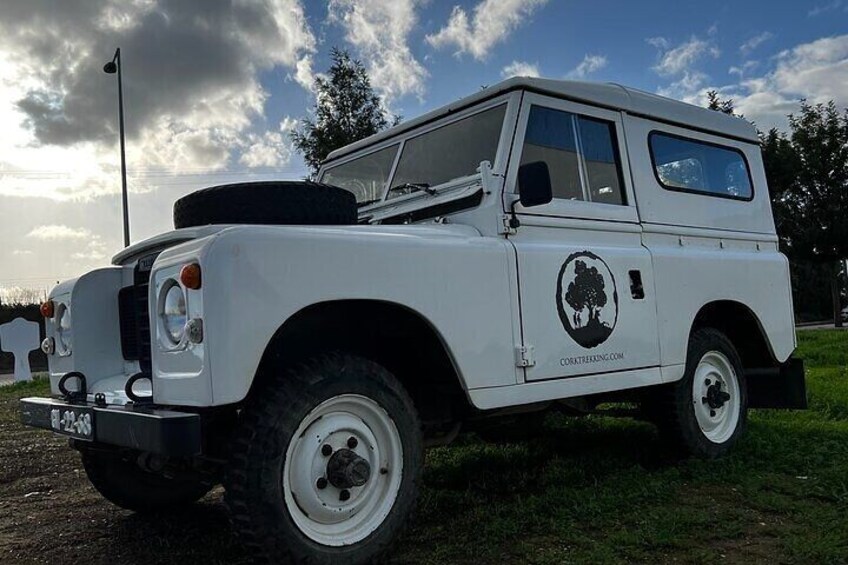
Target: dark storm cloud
(176, 53)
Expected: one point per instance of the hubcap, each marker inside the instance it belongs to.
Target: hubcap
(716, 397)
(331, 489)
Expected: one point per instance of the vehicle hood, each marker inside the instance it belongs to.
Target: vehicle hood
(176, 237)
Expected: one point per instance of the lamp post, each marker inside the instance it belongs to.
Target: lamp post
(112, 67)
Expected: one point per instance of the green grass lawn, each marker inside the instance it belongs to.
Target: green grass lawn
(605, 490)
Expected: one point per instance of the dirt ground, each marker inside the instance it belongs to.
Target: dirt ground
(49, 513)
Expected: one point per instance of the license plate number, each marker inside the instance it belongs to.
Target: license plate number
(75, 422)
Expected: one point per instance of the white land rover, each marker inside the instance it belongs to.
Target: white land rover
(538, 245)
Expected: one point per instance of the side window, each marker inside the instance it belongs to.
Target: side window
(581, 154)
(688, 165)
(365, 177)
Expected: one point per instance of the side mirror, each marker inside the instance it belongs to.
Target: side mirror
(534, 184)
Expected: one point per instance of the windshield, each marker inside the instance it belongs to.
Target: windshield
(365, 177)
(438, 156)
(449, 152)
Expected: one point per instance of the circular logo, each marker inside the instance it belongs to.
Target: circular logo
(587, 300)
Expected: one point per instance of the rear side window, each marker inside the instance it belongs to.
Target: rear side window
(581, 154)
(688, 165)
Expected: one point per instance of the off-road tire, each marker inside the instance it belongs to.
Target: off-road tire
(253, 486)
(267, 203)
(123, 483)
(674, 411)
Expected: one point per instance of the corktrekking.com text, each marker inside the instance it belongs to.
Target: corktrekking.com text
(584, 359)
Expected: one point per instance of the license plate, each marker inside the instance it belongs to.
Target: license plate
(76, 422)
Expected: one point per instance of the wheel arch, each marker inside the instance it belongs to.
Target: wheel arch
(742, 327)
(400, 338)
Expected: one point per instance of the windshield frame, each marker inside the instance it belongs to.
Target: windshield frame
(511, 100)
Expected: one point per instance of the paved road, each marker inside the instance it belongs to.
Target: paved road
(828, 326)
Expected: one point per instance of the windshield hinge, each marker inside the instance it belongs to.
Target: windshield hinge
(506, 226)
(525, 356)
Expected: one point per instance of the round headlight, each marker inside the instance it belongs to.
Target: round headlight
(174, 312)
(63, 329)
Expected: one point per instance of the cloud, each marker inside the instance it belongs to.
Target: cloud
(380, 32)
(520, 69)
(588, 65)
(658, 42)
(490, 23)
(58, 231)
(680, 59)
(816, 71)
(825, 8)
(755, 42)
(271, 149)
(191, 86)
(679, 64)
(744, 69)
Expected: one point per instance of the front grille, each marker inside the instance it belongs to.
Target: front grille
(135, 317)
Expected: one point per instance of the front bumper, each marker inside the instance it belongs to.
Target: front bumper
(145, 428)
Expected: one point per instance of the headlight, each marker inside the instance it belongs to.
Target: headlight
(63, 329)
(173, 311)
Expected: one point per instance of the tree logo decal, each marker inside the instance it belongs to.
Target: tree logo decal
(587, 300)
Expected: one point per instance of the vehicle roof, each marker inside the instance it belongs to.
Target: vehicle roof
(608, 95)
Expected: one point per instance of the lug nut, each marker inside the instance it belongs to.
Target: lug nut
(708, 382)
(344, 495)
(326, 450)
(322, 483)
(352, 442)
(712, 413)
(384, 471)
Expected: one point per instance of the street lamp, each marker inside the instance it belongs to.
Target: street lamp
(112, 67)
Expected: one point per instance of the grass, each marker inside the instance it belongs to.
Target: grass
(604, 490)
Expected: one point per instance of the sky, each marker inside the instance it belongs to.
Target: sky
(213, 88)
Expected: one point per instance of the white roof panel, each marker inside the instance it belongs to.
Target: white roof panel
(608, 95)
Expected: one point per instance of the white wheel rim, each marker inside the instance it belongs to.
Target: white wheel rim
(320, 513)
(718, 423)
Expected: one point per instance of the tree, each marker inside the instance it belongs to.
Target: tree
(346, 110)
(714, 102)
(807, 175)
(587, 291)
(816, 202)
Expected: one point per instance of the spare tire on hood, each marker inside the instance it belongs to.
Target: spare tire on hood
(267, 203)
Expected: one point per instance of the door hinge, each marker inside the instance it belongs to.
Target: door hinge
(525, 356)
(506, 226)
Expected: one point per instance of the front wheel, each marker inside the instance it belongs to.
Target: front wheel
(326, 464)
(706, 412)
(121, 481)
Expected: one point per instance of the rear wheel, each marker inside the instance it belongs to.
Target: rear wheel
(121, 481)
(706, 412)
(326, 465)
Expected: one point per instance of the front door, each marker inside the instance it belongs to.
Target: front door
(585, 281)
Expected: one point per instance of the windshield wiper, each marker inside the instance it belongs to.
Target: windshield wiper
(414, 187)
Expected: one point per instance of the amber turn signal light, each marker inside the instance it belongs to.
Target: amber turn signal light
(190, 276)
(47, 309)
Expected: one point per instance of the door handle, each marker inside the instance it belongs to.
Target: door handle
(637, 290)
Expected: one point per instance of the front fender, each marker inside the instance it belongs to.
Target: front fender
(256, 277)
